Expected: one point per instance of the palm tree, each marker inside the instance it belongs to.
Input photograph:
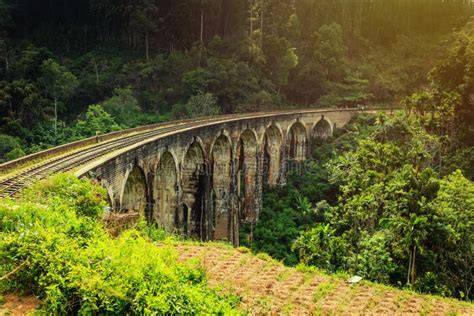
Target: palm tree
(412, 232)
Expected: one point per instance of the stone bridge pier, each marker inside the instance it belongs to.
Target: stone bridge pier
(205, 181)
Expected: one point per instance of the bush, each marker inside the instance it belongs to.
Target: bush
(373, 261)
(204, 104)
(96, 120)
(9, 148)
(66, 191)
(15, 153)
(71, 263)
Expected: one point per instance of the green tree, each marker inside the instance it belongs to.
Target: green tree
(330, 51)
(454, 211)
(412, 232)
(123, 106)
(282, 58)
(373, 259)
(320, 247)
(395, 188)
(96, 121)
(21, 101)
(58, 83)
(202, 105)
(10, 148)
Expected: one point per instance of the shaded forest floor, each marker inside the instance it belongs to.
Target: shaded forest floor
(267, 287)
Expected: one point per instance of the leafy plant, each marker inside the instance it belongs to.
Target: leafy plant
(53, 244)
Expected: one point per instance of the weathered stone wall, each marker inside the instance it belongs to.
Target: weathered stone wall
(206, 180)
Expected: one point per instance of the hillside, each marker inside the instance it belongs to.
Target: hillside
(267, 287)
(69, 69)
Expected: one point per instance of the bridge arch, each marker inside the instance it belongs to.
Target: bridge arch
(247, 173)
(221, 155)
(322, 129)
(272, 140)
(134, 196)
(297, 141)
(165, 191)
(193, 185)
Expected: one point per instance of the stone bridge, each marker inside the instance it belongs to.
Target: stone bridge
(203, 181)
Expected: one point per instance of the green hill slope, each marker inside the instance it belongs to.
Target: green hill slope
(267, 287)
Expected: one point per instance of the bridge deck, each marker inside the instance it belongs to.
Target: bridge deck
(70, 157)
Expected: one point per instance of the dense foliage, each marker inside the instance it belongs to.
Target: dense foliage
(373, 203)
(390, 198)
(147, 60)
(52, 244)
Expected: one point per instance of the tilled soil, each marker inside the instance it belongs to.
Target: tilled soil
(269, 288)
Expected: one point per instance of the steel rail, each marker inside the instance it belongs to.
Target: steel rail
(70, 160)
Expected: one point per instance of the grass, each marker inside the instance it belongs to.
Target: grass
(401, 298)
(260, 300)
(328, 282)
(243, 249)
(323, 289)
(287, 308)
(308, 296)
(283, 276)
(426, 307)
(375, 299)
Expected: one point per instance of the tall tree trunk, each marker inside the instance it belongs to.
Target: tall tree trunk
(261, 27)
(147, 48)
(201, 35)
(409, 268)
(96, 70)
(55, 116)
(412, 270)
(202, 24)
(251, 18)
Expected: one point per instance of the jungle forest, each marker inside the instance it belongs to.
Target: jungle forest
(389, 197)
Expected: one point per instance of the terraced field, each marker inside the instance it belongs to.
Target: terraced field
(267, 287)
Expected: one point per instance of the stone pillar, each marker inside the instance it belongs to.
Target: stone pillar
(258, 195)
(221, 182)
(284, 163)
(208, 209)
(234, 206)
(151, 197)
(180, 206)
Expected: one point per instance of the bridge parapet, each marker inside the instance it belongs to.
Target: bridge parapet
(215, 172)
(200, 177)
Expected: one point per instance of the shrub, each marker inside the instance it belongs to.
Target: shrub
(15, 153)
(49, 248)
(204, 104)
(66, 191)
(10, 148)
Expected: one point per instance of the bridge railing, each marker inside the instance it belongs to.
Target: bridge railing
(62, 149)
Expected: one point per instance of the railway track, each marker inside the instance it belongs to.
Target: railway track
(66, 162)
(14, 183)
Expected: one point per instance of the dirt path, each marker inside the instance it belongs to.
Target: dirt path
(267, 287)
(15, 305)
